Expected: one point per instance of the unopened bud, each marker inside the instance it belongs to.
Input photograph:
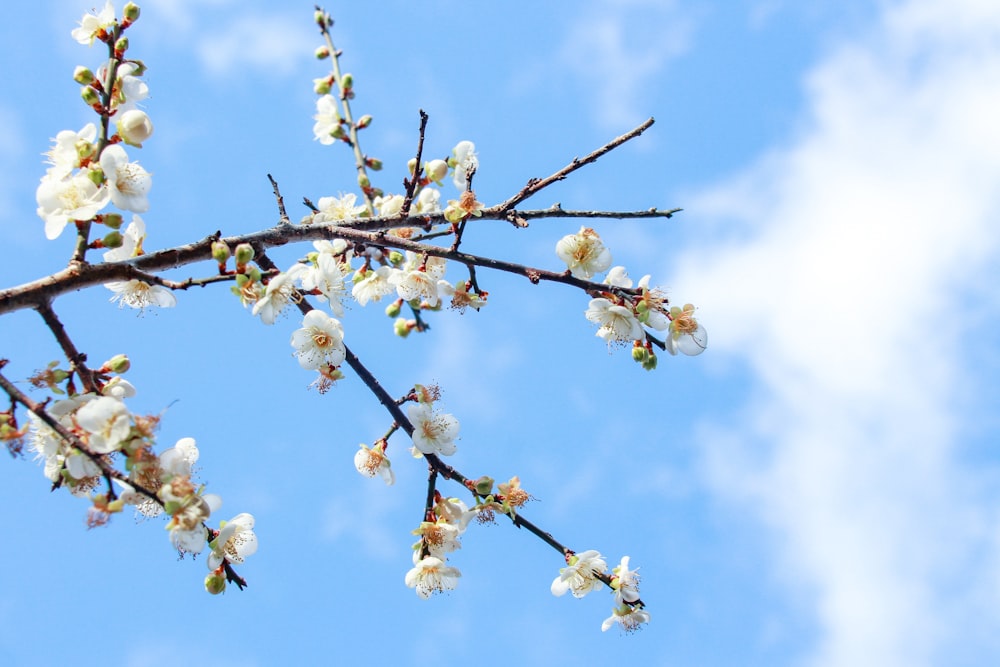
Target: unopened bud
(373, 163)
(402, 327)
(113, 220)
(135, 127)
(392, 310)
(220, 252)
(484, 485)
(363, 181)
(130, 12)
(411, 165)
(436, 170)
(395, 257)
(640, 354)
(321, 86)
(215, 583)
(90, 96)
(347, 82)
(244, 253)
(321, 53)
(83, 76)
(364, 121)
(96, 176)
(118, 364)
(650, 363)
(112, 239)
(121, 46)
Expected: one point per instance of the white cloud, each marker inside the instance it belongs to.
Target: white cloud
(274, 44)
(602, 51)
(848, 289)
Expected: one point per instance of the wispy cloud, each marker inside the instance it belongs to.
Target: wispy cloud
(850, 291)
(264, 43)
(602, 52)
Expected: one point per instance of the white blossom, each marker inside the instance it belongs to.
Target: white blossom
(320, 341)
(128, 182)
(235, 541)
(433, 432)
(431, 575)
(584, 253)
(63, 199)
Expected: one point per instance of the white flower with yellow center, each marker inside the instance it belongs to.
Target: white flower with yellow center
(128, 182)
(63, 199)
(617, 323)
(235, 541)
(320, 341)
(430, 575)
(584, 253)
(433, 432)
(580, 574)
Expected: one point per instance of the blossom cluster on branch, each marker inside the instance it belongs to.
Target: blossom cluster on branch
(367, 246)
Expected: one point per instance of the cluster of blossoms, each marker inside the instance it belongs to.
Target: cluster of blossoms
(587, 571)
(621, 311)
(104, 430)
(90, 170)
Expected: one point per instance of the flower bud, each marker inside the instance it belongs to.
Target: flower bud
(215, 583)
(321, 53)
(220, 252)
(347, 82)
(411, 165)
(112, 239)
(244, 254)
(321, 86)
(118, 364)
(121, 46)
(83, 76)
(84, 150)
(130, 12)
(254, 274)
(363, 181)
(392, 310)
(402, 327)
(395, 257)
(113, 220)
(90, 96)
(484, 485)
(436, 170)
(373, 163)
(135, 127)
(364, 121)
(640, 354)
(650, 363)
(96, 176)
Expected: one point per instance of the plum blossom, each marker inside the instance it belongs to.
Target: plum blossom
(463, 159)
(327, 120)
(68, 149)
(332, 209)
(320, 341)
(618, 324)
(279, 293)
(584, 253)
(128, 182)
(389, 205)
(63, 199)
(371, 462)
(580, 574)
(433, 432)
(134, 127)
(129, 87)
(179, 459)
(107, 422)
(373, 285)
(140, 294)
(687, 336)
(430, 575)
(92, 24)
(428, 202)
(630, 618)
(625, 583)
(235, 541)
(324, 274)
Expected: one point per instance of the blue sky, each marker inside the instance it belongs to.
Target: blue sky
(820, 488)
